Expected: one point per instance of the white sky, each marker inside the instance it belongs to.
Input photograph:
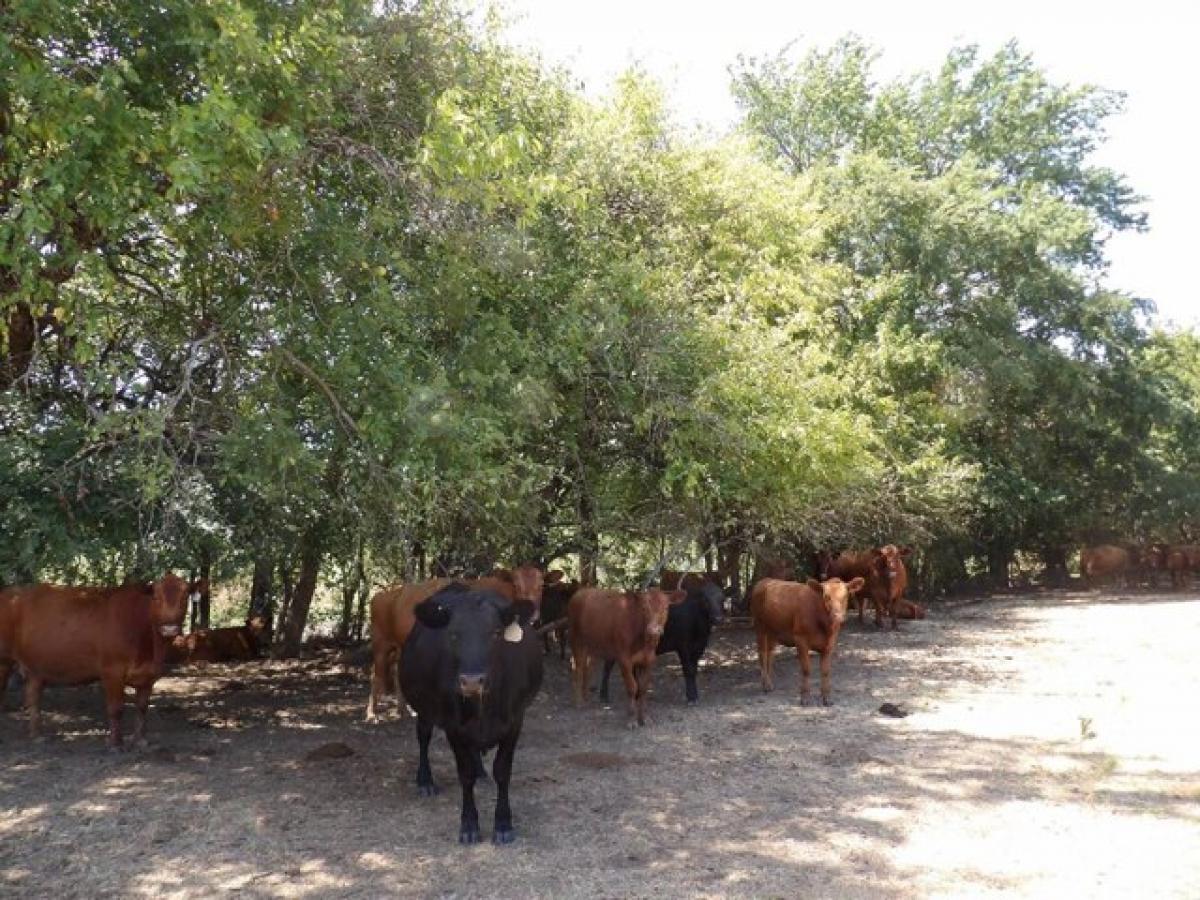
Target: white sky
(1147, 49)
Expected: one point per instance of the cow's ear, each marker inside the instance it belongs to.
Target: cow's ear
(432, 614)
(199, 586)
(814, 584)
(554, 576)
(510, 611)
(503, 574)
(854, 585)
(676, 596)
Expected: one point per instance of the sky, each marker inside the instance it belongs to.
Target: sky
(1149, 50)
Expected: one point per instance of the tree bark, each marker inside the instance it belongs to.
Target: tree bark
(999, 560)
(306, 586)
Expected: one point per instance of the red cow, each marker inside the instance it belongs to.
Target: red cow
(392, 617)
(620, 625)
(884, 572)
(806, 616)
(77, 635)
(219, 644)
(1104, 561)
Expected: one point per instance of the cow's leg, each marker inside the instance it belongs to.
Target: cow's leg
(381, 660)
(690, 664)
(645, 674)
(114, 703)
(33, 703)
(893, 602)
(631, 690)
(805, 670)
(604, 676)
(826, 676)
(862, 609)
(6, 667)
(466, 756)
(502, 830)
(426, 786)
(766, 652)
(142, 701)
(560, 633)
(579, 676)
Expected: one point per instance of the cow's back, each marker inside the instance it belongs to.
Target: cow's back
(604, 621)
(780, 608)
(69, 635)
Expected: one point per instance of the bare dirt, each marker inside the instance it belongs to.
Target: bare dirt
(1052, 749)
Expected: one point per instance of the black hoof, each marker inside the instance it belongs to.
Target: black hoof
(469, 836)
(428, 790)
(692, 701)
(825, 701)
(504, 836)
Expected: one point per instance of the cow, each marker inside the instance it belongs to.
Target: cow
(471, 669)
(392, 617)
(624, 626)
(555, 596)
(1106, 561)
(219, 644)
(883, 570)
(78, 635)
(907, 610)
(806, 616)
(686, 633)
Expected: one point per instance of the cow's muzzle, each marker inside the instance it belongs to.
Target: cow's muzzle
(655, 631)
(169, 631)
(471, 685)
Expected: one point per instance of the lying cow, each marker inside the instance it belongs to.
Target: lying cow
(77, 635)
(392, 617)
(471, 669)
(806, 616)
(621, 626)
(686, 633)
(237, 644)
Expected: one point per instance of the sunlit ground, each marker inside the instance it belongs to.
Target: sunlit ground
(1052, 751)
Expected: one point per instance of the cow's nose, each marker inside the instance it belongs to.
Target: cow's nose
(655, 630)
(169, 630)
(471, 685)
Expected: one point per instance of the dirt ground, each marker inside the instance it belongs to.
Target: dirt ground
(1053, 750)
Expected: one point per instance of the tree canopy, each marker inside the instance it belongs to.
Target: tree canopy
(293, 286)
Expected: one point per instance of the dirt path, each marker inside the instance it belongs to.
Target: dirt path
(1053, 751)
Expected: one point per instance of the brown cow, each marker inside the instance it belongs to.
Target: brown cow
(392, 618)
(219, 644)
(77, 635)
(623, 626)
(1104, 561)
(907, 610)
(806, 616)
(883, 570)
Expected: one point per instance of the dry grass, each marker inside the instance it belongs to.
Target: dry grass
(994, 785)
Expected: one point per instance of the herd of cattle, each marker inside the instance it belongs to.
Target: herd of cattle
(1140, 564)
(469, 653)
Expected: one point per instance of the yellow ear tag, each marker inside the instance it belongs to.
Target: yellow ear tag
(513, 633)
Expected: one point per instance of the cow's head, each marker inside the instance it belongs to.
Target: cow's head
(169, 603)
(256, 625)
(888, 560)
(473, 622)
(527, 581)
(655, 604)
(824, 561)
(1154, 557)
(836, 594)
(714, 600)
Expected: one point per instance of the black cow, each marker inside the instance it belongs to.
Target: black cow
(688, 626)
(471, 669)
(554, 610)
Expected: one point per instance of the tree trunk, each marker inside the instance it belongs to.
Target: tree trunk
(360, 614)
(999, 560)
(288, 585)
(206, 589)
(1055, 560)
(306, 586)
(349, 591)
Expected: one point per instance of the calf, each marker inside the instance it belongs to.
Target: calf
(622, 626)
(471, 669)
(78, 635)
(805, 616)
(392, 617)
(219, 644)
(686, 633)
